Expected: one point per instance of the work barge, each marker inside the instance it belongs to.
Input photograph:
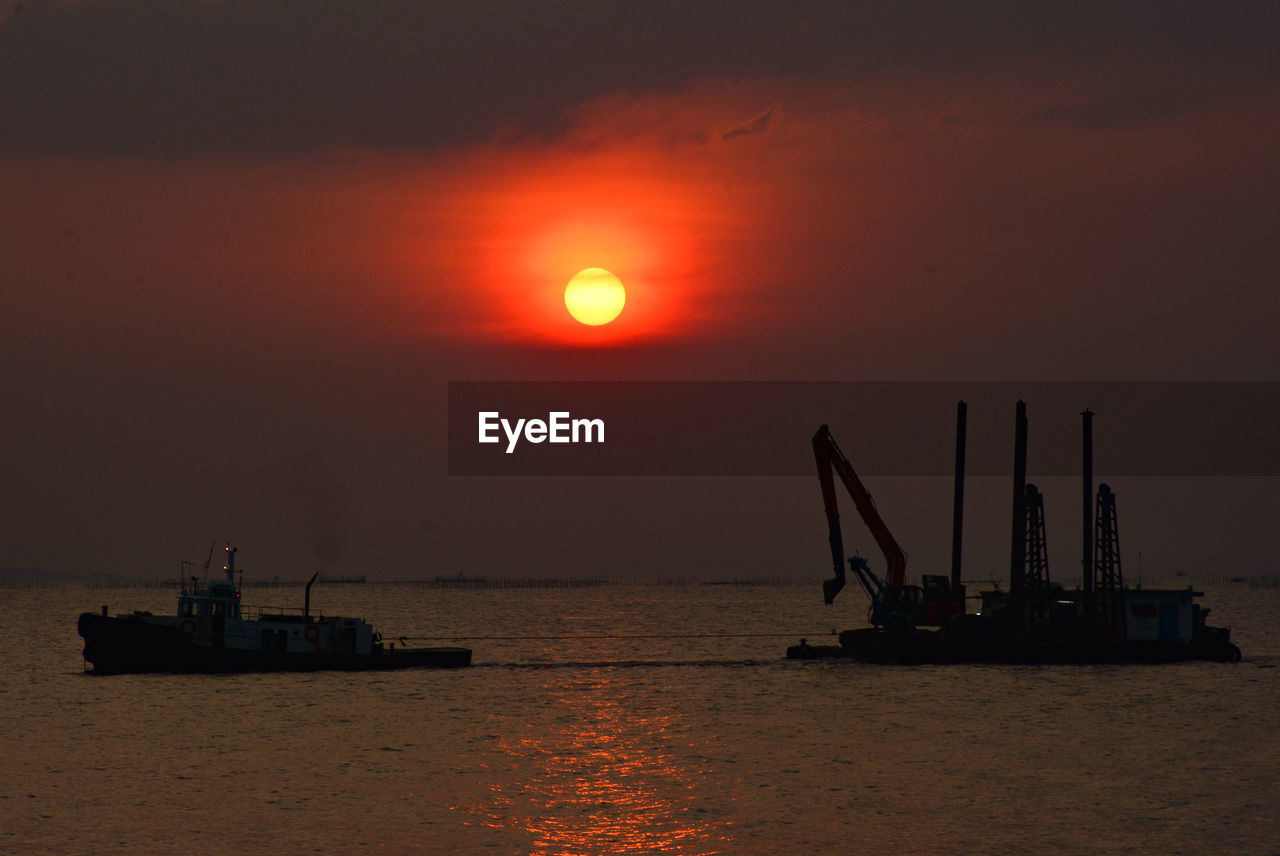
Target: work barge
(1036, 620)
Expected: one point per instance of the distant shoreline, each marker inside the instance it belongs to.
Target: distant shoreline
(50, 580)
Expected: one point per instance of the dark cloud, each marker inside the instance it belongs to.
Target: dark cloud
(139, 77)
(758, 125)
(1112, 110)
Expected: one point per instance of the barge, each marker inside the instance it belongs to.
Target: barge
(1036, 621)
(1163, 626)
(214, 633)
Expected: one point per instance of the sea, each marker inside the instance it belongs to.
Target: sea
(631, 718)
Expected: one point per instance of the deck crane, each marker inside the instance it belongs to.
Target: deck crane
(892, 597)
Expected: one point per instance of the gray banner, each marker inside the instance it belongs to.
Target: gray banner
(889, 428)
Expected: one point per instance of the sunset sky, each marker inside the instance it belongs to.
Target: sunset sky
(245, 245)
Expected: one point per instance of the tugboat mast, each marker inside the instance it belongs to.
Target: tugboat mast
(230, 566)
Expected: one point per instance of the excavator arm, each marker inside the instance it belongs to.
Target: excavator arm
(831, 461)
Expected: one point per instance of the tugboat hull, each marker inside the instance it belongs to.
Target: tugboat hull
(139, 644)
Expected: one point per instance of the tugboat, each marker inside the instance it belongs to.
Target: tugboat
(214, 632)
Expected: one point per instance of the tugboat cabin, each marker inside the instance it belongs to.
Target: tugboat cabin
(219, 600)
(1164, 615)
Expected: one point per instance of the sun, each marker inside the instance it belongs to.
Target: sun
(594, 296)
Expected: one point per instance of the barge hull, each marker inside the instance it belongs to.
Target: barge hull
(925, 647)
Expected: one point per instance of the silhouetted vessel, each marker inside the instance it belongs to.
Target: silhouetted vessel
(1036, 621)
(214, 632)
(1162, 626)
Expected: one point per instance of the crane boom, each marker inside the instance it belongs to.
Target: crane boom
(830, 459)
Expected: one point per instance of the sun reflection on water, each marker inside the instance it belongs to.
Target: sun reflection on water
(595, 775)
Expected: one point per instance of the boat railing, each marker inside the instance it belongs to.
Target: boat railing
(256, 613)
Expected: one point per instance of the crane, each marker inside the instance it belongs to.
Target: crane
(830, 459)
(892, 598)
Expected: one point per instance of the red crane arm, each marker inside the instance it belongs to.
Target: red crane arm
(829, 458)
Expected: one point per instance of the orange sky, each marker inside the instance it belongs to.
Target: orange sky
(730, 210)
(320, 252)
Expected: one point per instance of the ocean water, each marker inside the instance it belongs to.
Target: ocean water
(712, 744)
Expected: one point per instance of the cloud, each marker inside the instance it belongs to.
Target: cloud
(1113, 110)
(134, 77)
(758, 125)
